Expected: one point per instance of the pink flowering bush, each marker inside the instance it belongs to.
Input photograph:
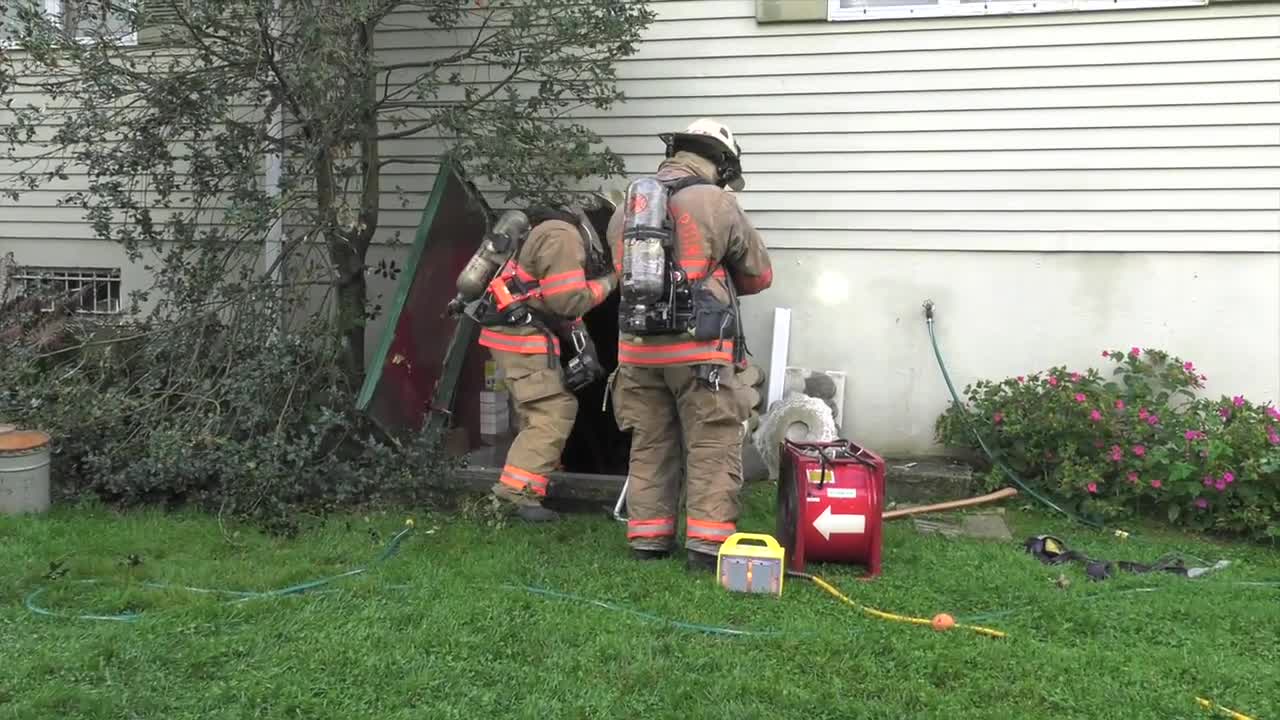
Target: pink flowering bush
(1136, 440)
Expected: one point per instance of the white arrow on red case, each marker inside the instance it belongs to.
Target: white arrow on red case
(829, 524)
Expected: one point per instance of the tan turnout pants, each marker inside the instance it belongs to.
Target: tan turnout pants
(680, 429)
(545, 411)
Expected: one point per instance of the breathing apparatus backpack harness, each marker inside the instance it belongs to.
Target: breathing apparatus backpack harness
(505, 302)
(657, 295)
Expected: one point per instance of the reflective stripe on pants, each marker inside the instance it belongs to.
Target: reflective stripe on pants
(517, 479)
(716, 532)
(656, 528)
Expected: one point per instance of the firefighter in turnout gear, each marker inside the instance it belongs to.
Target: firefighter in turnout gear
(684, 251)
(554, 277)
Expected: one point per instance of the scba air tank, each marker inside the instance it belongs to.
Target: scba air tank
(498, 244)
(643, 233)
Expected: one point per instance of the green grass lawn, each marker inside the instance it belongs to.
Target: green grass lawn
(433, 634)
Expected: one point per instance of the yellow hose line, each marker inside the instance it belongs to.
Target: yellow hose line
(1211, 706)
(896, 618)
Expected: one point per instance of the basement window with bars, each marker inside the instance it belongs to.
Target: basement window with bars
(839, 10)
(99, 288)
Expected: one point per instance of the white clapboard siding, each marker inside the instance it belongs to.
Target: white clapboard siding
(828, 83)
(1151, 130)
(869, 201)
(622, 124)
(749, 39)
(1142, 130)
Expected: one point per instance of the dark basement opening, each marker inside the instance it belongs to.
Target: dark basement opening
(596, 446)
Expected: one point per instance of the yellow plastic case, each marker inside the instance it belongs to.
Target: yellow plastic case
(751, 568)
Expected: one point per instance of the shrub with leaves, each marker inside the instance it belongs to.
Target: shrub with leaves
(168, 139)
(222, 411)
(231, 382)
(1139, 440)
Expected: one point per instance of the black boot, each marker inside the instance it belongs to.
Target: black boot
(528, 508)
(642, 554)
(700, 562)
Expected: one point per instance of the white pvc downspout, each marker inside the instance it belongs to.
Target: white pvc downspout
(273, 171)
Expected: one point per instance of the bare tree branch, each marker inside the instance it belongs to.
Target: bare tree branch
(465, 107)
(436, 64)
(408, 161)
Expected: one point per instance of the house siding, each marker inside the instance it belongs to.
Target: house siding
(1057, 183)
(1030, 132)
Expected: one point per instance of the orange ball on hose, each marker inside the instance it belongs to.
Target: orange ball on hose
(943, 621)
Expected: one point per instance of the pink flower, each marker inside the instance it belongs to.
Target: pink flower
(1225, 412)
(1095, 416)
(1133, 477)
(1053, 381)
(1080, 397)
(997, 418)
(1119, 404)
(1153, 420)
(1156, 484)
(1093, 488)
(1021, 379)
(1208, 481)
(1228, 478)
(1272, 436)
(1142, 414)
(1202, 503)
(1106, 353)
(1273, 413)
(1194, 435)
(1220, 485)
(1116, 453)
(1139, 450)
(1134, 352)
(1075, 377)
(1188, 366)
(1238, 401)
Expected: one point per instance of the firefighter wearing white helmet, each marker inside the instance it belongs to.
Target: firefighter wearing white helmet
(721, 138)
(684, 252)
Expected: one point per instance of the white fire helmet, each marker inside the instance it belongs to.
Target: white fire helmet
(722, 138)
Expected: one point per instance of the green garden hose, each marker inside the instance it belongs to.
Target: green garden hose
(313, 586)
(1013, 477)
(392, 547)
